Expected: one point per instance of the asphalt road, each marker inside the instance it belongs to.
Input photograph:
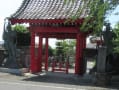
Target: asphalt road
(47, 81)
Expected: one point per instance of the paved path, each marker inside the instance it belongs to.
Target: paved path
(49, 81)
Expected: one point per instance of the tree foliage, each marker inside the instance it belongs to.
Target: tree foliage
(59, 48)
(23, 36)
(97, 12)
(20, 28)
(65, 47)
(50, 50)
(116, 40)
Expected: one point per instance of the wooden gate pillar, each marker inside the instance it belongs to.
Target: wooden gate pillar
(79, 57)
(83, 60)
(33, 62)
(39, 63)
(77, 54)
(46, 55)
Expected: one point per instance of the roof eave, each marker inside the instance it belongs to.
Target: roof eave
(36, 21)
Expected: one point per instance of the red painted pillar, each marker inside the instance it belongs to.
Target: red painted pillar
(82, 61)
(46, 55)
(77, 54)
(39, 63)
(80, 43)
(33, 62)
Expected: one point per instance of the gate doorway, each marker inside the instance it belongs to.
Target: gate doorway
(60, 58)
(63, 57)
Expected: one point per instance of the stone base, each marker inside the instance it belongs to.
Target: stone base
(102, 79)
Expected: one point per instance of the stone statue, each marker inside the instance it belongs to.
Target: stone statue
(9, 37)
(108, 36)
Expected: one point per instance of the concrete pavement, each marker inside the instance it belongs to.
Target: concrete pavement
(50, 81)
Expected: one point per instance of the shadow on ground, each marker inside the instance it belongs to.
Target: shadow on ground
(69, 79)
(60, 78)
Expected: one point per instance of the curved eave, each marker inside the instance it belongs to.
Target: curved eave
(21, 8)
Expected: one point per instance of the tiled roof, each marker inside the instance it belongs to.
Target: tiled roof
(49, 9)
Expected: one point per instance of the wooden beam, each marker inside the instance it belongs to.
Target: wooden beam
(59, 35)
(55, 29)
(14, 21)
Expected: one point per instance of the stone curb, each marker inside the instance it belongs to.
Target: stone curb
(11, 71)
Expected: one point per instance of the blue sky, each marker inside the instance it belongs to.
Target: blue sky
(8, 7)
(114, 18)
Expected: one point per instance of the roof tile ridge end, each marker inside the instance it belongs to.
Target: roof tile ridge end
(20, 9)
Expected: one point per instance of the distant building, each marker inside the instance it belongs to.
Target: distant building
(91, 45)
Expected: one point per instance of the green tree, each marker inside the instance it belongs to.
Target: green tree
(50, 50)
(59, 48)
(20, 28)
(69, 47)
(116, 40)
(23, 36)
(65, 47)
(97, 12)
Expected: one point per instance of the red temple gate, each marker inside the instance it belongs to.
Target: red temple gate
(50, 23)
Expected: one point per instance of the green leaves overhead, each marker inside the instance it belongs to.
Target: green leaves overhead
(97, 10)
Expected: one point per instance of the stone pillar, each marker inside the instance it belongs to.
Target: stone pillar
(101, 77)
(101, 60)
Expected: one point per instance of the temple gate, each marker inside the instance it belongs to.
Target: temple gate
(47, 19)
